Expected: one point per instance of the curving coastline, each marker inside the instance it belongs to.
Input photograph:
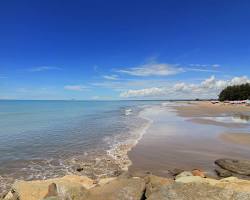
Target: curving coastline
(159, 139)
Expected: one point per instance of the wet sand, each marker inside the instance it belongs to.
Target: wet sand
(238, 138)
(176, 140)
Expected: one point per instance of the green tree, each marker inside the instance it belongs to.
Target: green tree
(236, 92)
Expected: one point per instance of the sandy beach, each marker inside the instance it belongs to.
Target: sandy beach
(190, 135)
(206, 108)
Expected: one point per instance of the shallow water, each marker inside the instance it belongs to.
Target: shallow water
(239, 119)
(173, 141)
(42, 139)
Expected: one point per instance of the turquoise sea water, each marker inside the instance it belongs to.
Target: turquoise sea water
(39, 139)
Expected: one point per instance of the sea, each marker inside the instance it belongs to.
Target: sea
(48, 139)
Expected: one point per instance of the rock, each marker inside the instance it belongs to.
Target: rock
(83, 180)
(52, 191)
(205, 189)
(223, 173)
(11, 195)
(237, 166)
(154, 183)
(106, 180)
(189, 179)
(52, 198)
(65, 187)
(183, 174)
(198, 172)
(118, 189)
(176, 171)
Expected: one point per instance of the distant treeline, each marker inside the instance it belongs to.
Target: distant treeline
(236, 92)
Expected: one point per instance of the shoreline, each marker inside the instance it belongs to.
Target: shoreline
(194, 184)
(166, 145)
(161, 139)
(120, 152)
(97, 165)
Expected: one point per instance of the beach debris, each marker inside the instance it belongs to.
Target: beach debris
(79, 169)
(223, 173)
(237, 166)
(198, 172)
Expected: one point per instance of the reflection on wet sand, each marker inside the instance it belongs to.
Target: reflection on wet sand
(238, 138)
(174, 141)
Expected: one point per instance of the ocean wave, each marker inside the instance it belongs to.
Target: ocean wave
(119, 150)
(128, 111)
(115, 136)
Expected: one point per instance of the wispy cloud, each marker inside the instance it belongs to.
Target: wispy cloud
(204, 65)
(76, 87)
(152, 69)
(44, 68)
(201, 70)
(111, 77)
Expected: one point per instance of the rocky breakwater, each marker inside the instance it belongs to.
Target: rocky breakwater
(186, 185)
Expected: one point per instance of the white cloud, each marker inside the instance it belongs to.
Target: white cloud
(148, 92)
(201, 70)
(239, 80)
(209, 88)
(111, 77)
(44, 68)
(75, 87)
(152, 69)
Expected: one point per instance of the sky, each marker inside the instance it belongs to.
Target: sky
(122, 49)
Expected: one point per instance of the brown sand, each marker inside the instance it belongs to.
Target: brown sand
(206, 108)
(238, 138)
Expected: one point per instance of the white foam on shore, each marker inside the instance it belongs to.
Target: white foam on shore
(119, 151)
(128, 111)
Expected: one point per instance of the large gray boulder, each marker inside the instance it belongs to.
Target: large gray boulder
(223, 173)
(237, 166)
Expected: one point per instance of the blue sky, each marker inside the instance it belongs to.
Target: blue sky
(122, 49)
